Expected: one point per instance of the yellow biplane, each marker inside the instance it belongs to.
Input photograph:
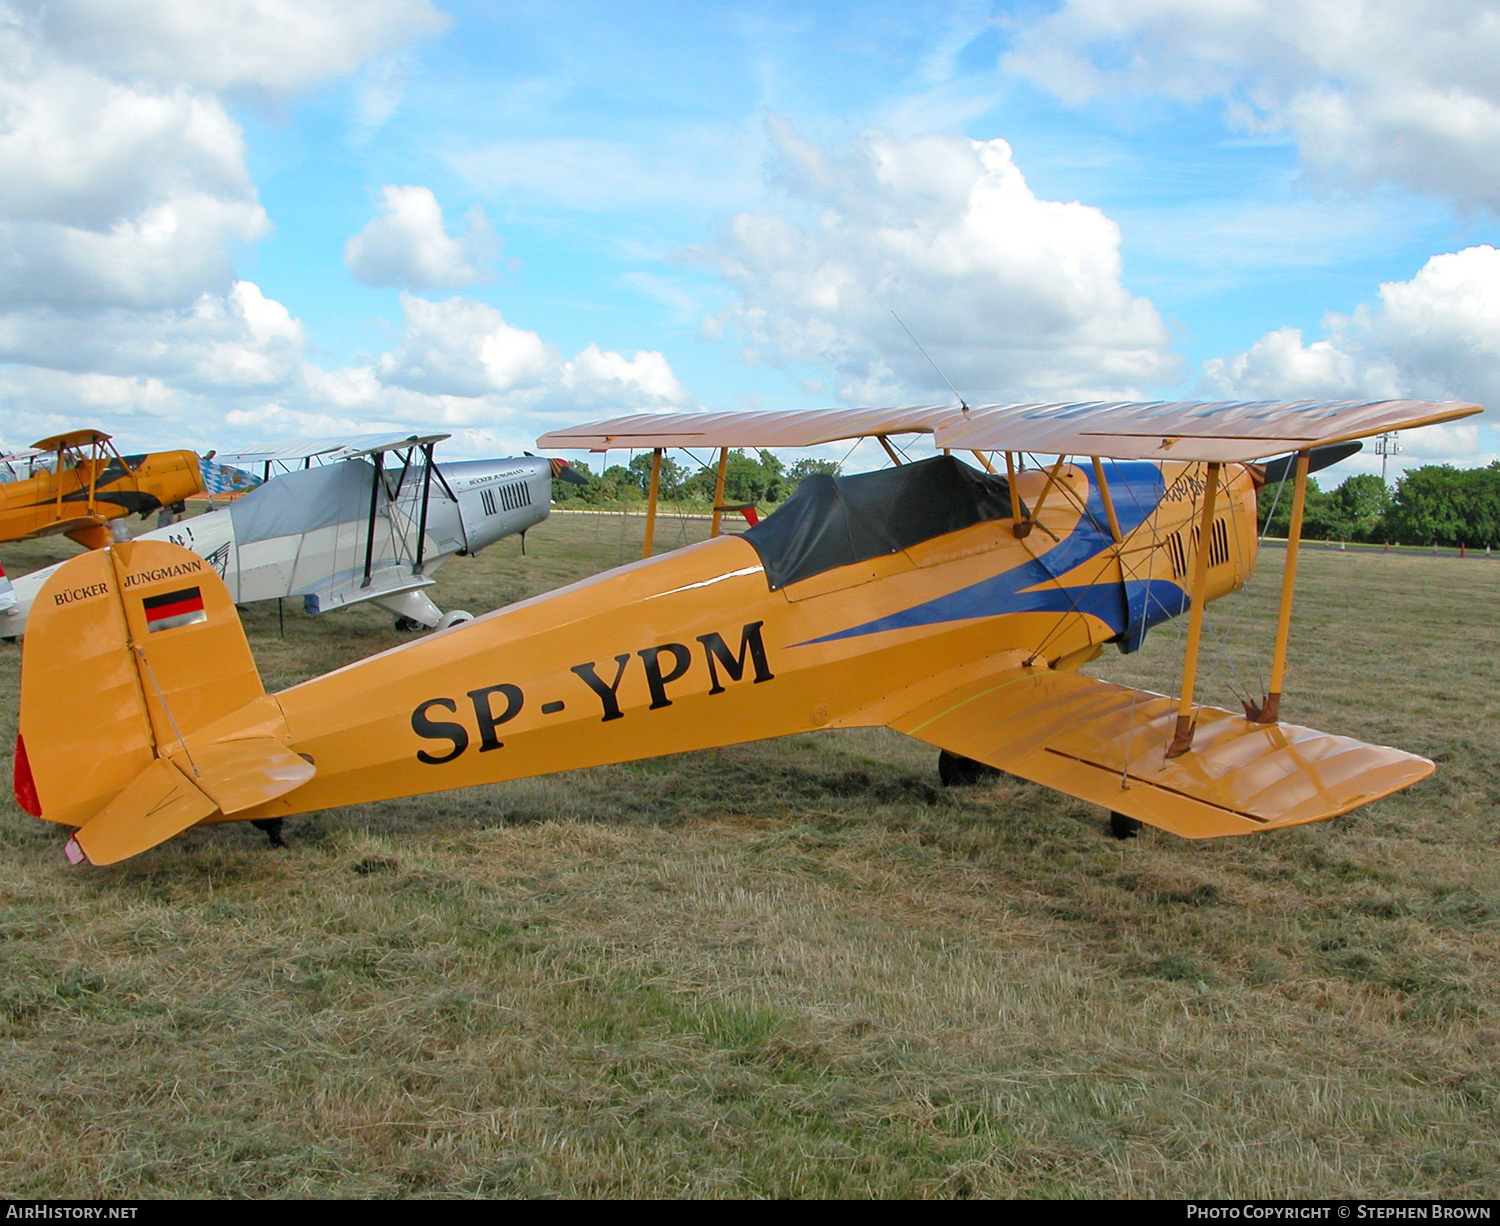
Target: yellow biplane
(77, 482)
(949, 602)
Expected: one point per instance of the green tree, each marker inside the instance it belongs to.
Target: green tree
(669, 482)
(754, 480)
(807, 468)
(1429, 505)
(1277, 501)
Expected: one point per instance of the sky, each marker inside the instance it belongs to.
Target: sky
(235, 221)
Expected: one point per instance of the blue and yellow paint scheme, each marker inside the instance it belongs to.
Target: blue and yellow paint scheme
(969, 639)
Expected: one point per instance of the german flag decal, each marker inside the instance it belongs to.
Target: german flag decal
(172, 609)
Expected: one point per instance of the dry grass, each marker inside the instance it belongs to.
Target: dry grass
(797, 968)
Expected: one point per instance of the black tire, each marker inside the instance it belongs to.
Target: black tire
(272, 828)
(1122, 827)
(408, 624)
(957, 771)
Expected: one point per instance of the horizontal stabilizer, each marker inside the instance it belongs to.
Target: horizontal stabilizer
(1107, 744)
(157, 804)
(238, 775)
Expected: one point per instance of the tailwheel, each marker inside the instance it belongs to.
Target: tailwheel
(1122, 827)
(957, 771)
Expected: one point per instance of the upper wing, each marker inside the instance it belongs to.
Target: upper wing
(73, 438)
(1222, 431)
(800, 429)
(1106, 743)
(327, 450)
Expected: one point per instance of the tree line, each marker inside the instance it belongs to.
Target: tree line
(1437, 502)
(761, 479)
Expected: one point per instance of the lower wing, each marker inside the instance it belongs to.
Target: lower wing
(1107, 744)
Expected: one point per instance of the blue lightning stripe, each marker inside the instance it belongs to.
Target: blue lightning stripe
(1138, 489)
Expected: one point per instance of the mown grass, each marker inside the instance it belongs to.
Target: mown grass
(796, 968)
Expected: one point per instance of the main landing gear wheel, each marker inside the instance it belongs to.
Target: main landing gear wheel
(454, 617)
(272, 827)
(957, 771)
(1122, 827)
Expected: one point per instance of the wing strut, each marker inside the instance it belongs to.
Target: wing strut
(374, 506)
(1107, 500)
(656, 454)
(719, 491)
(1270, 710)
(1024, 526)
(426, 490)
(1182, 738)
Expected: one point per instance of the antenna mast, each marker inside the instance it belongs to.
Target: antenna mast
(961, 403)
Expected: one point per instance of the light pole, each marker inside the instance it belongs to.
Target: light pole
(1385, 447)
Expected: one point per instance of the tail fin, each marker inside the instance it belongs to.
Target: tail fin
(132, 653)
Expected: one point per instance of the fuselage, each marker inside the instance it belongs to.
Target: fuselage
(86, 492)
(697, 648)
(305, 534)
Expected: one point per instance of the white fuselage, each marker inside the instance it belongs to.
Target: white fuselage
(308, 533)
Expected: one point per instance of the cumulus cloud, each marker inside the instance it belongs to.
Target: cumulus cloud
(1011, 294)
(110, 194)
(406, 244)
(233, 368)
(239, 340)
(464, 348)
(1434, 337)
(275, 47)
(1399, 90)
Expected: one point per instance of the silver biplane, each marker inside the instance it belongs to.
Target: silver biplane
(361, 518)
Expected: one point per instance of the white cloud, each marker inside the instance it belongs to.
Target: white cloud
(464, 348)
(600, 378)
(406, 245)
(275, 47)
(110, 194)
(1434, 337)
(1012, 295)
(1399, 90)
(220, 342)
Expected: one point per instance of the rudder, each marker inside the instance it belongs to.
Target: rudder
(129, 652)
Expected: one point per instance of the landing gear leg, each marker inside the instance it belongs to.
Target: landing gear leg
(272, 827)
(957, 771)
(1122, 827)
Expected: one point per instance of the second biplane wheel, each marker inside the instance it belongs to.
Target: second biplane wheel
(957, 771)
(454, 617)
(272, 828)
(408, 624)
(1123, 827)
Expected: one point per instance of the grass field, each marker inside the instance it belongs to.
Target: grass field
(796, 968)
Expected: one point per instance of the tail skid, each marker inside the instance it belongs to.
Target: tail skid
(133, 653)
